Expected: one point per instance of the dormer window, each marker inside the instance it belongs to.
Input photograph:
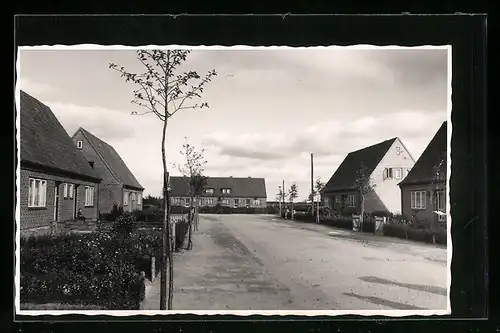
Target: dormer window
(388, 173)
(226, 191)
(79, 144)
(209, 191)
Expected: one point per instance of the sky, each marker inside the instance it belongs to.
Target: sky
(269, 108)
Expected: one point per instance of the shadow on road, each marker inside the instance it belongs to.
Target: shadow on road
(420, 287)
(381, 301)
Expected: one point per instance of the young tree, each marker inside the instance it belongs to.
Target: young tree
(192, 170)
(318, 186)
(363, 185)
(163, 90)
(293, 193)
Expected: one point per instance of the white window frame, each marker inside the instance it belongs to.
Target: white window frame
(89, 196)
(79, 144)
(418, 204)
(440, 200)
(40, 196)
(71, 190)
(139, 199)
(236, 202)
(209, 191)
(256, 202)
(351, 200)
(225, 201)
(125, 198)
(65, 190)
(226, 191)
(187, 202)
(210, 201)
(398, 173)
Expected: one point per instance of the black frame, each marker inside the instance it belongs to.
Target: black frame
(468, 184)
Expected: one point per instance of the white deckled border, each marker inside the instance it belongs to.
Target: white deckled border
(308, 313)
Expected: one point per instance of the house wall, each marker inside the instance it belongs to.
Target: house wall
(131, 206)
(387, 189)
(424, 215)
(42, 217)
(111, 189)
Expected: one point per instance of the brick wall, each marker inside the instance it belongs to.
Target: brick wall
(430, 204)
(40, 217)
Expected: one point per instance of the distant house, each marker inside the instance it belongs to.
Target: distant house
(423, 191)
(228, 191)
(119, 186)
(55, 179)
(386, 163)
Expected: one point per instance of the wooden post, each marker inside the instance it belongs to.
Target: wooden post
(153, 268)
(312, 183)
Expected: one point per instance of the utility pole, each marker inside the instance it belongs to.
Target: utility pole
(312, 183)
(281, 196)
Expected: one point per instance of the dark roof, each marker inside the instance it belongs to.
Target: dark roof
(431, 162)
(117, 166)
(240, 187)
(45, 142)
(344, 178)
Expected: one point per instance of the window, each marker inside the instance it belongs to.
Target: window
(125, 198)
(256, 202)
(187, 202)
(37, 193)
(398, 150)
(418, 199)
(337, 199)
(133, 194)
(440, 198)
(209, 191)
(65, 190)
(236, 202)
(388, 173)
(139, 199)
(398, 174)
(225, 201)
(226, 191)
(79, 144)
(89, 196)
(351, 200)
(71, 190)
(210, 201)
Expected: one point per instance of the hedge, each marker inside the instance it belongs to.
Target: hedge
(98, 268)
(407, 231)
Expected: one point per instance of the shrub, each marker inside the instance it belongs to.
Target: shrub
(344, 223)
(349, 211)
(124, 224)
(178, 210)
(407, 231)
(381, 213)
(368, 225)
(99, 268)
(181, 230)
(116, 211)
(307, 217)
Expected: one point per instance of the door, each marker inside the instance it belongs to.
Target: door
(74, 200)
(56, 202)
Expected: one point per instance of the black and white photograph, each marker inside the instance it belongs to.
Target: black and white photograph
(168, 179)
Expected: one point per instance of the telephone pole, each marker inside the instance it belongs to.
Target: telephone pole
(312, 183)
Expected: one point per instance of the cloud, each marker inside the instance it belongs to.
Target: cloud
(35, 88)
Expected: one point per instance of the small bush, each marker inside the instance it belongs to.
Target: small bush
(124, 224)
(116, 211)
(368, 225)
(349, 211)
(179, 210)
(307, 217)
(406, 231)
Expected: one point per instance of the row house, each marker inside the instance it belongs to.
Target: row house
(227, 191)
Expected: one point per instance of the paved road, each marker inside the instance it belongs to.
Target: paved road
(245, 262)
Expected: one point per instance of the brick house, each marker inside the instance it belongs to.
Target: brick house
(386, 163)
(228, 191)
(55, 179)
(423, 191)
(119, 185)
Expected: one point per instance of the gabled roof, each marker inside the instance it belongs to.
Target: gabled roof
(240, 187)
(431, 165)
(46, 144)
(344, 178)
(111, 159)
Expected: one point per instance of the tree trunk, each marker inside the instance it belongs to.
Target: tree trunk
(166, 242)
(191, 220)
(317, 212)
(292, 213)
